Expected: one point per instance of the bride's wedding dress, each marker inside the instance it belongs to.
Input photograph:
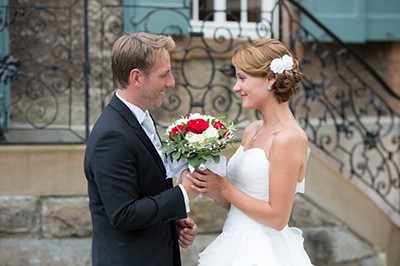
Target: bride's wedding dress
(245, 242)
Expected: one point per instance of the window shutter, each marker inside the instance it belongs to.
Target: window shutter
(345, 18)
(157, 16)
(383, 20)
(355, 21)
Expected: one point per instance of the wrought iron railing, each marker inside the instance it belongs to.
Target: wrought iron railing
(346, 108)
(348, 111)
(47, 99)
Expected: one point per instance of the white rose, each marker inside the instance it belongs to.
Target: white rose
(287, 62)
(192, 137)
(210, 132)
(181, 121)
(196, 116)
(278, 65)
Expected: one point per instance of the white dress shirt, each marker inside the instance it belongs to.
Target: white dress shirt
(140, 114)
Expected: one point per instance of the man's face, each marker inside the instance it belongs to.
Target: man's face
(156, 82)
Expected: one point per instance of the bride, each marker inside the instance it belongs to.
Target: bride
(267, 169)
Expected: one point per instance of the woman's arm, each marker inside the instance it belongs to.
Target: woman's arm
(224, 203)
(288, 155)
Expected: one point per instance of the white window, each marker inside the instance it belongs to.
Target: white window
(238, 18)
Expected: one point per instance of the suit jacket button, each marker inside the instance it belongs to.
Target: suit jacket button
(171, 242)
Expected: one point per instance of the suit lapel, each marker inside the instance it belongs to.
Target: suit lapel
(118, 105)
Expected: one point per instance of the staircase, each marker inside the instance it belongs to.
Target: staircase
(347, 110)
(352, 121)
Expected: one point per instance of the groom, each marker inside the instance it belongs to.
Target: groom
(138, 217)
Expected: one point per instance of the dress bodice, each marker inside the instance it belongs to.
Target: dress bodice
(244, 241)
(249, 171)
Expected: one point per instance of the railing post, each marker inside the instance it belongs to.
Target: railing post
(4, 87)
(280, 19)
(9, 71)
(86, 74)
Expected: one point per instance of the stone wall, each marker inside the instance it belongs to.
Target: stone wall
(57, 231)
(44, 231)
(45, 219)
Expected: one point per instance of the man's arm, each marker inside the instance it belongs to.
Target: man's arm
(115, 167)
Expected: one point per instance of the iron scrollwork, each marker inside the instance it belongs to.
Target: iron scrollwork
(48, 91)
(345, 108)
(9, 68)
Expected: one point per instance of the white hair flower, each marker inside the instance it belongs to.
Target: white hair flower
(278, 65)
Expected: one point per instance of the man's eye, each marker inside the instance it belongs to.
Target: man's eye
(164, 75)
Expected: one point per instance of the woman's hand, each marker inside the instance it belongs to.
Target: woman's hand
(186, 183)
(207, 182)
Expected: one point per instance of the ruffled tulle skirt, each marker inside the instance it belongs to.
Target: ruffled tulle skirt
(245, 242)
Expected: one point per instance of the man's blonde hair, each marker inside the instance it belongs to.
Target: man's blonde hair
(136, 50)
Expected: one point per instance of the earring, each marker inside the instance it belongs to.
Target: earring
(269, 87)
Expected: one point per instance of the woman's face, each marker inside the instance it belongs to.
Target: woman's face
(253, 90)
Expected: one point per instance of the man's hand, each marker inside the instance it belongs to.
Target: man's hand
(187, 231)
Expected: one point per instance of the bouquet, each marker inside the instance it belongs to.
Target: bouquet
(197, 140)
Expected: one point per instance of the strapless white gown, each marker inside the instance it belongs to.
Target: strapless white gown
(245, 242)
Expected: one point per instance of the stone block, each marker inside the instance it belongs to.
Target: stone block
(19, 214)
(335, 245)
(66, 217)
(190, 255)
(318, 245)
(45, 252)
(209, 216)
(347, 246)
(378, 260)
(305, 213)
(42, 170)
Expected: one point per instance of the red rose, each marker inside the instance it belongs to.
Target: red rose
(197, 126)
(219, 125)
(176, 130)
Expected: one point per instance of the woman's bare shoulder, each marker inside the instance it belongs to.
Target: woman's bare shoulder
(251, 130)
(290, 138)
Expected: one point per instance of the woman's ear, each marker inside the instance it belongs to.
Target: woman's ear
(271, 81)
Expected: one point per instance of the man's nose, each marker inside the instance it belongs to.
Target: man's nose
(170, 81)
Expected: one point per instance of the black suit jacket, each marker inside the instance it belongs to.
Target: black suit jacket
(133, 206)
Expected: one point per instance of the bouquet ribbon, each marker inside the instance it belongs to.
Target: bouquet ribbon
(217, 168)
(175, 168)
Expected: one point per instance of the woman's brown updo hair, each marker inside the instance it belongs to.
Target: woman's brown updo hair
(255, 59)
